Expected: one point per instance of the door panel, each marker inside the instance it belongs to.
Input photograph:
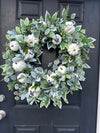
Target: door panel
(80, 115)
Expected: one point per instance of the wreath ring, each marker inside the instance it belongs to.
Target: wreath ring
(22, 69)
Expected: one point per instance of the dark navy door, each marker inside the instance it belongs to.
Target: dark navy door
(80, 115)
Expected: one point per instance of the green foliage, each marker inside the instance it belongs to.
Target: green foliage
(65, 13)
(73, 15)
(11, 85)
(78, 28)
(54, 17)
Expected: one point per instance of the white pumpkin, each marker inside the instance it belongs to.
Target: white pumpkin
(57, 39)
(49, 77)
(31, 40)
(30, 54)
(14, 46)
(69, 27)
(22, 77)
(73, 49)
(19, 66)
(34, 91)
(62, 69)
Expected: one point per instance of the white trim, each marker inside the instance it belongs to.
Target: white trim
(98, 111)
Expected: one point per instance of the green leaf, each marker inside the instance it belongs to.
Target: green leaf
(13, 77)
(56, 62)
(47, 102)
(65, 12)
(52, 35)
(36, 34)
(19, 38)
(6, 79)
(41, 18)
(64, 45)
(64, 96)
(22, 23)
(26, 22)
(54, 17)
(49, 45)
(8, 37)
(73, 15)
(86, 66)
(18, 29)
(59, 103)
(42, 97)
(23, 95)
(90, 39)
(83, 31)
(68, 76)
(47, 31)
(42, 104)
(91, 45)
(47, 17)
(11, 85)
(44, 84)
(78, 28)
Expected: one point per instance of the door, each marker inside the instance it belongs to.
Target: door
(80, 115)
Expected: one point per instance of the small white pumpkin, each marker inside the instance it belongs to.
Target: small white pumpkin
(22, 77)
(19, 66)
(14, 46)
(31, 40)
(34, 91)
(49, 77)
(73, 49)
(62, 69)
(57, 40)
(69, 27)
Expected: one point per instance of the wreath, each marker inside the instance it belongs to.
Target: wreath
(22, 69)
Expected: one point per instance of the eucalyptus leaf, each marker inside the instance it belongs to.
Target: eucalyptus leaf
(73, 15)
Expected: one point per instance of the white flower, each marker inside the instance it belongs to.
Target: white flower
(69, 27)
(34, 91)
(73, 49)
(14, 46)
(57, 39)
(19, 66)
(21, 77)
(62, 69)
(49, 77)
(31, 40)
(30, 54)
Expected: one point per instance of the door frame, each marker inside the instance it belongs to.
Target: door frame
(98, 108)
